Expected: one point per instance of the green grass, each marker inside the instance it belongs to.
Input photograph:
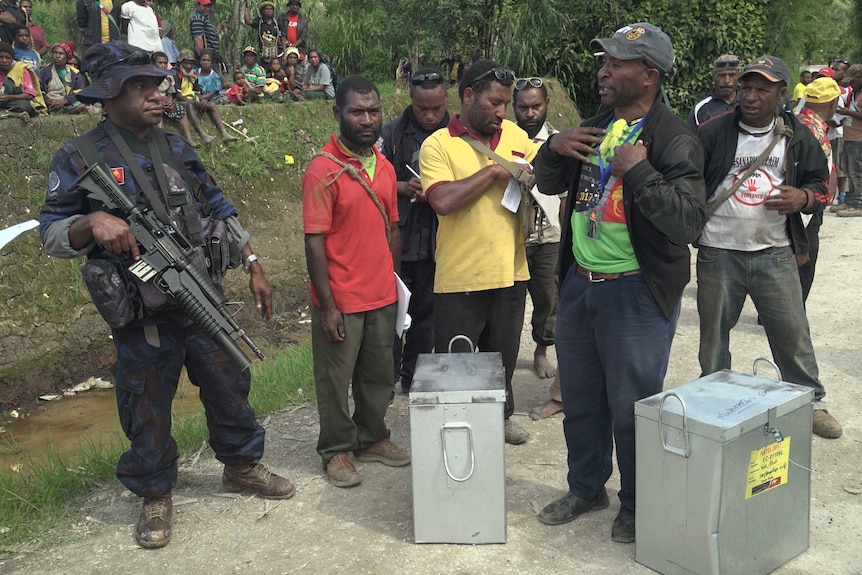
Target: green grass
(49, 491)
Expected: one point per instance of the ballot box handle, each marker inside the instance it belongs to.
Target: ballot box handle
(770, 362)
(465, 338)
(443, 430)
(669, 448)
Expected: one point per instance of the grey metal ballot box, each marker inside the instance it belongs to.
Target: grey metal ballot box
(723, 481)
(457, 445)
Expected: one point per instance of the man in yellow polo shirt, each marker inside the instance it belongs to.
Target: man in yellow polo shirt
(481, 279)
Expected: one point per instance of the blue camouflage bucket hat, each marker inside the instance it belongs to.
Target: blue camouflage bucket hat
(110, 65)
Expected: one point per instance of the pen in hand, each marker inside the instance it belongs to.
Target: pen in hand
(415, 173)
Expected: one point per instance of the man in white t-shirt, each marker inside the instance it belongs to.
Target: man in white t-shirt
(755, 236)
(141, 26)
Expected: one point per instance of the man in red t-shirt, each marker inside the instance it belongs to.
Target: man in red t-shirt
(353, 248)
(294, 27)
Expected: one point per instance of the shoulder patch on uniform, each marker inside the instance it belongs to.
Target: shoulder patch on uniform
(379, 144)
(119, 175)
(53, 184)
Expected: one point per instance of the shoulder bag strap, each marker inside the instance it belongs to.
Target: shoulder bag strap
(354, 173)
(526, 179)
(781, 130)
(521, 175)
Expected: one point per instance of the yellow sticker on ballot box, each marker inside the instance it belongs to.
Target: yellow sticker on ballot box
(768, 468)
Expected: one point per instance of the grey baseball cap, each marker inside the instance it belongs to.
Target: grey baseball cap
(640, 41)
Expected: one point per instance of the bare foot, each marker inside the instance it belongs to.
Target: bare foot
(228, 138)
(206, 138)
(546, 410)
(543, 367)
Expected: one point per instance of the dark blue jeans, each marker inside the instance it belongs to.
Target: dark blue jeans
(771, 278)
(613, 344)
(149, 362)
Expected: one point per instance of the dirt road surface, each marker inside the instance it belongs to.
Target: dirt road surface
(368, 529)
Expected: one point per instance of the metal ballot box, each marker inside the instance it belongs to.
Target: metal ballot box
(723, 475)
(458, 448)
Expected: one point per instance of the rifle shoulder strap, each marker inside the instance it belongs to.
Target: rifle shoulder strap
(192, 182)
(354, 173)
(87, 150)
(92, 158)
(156, 203)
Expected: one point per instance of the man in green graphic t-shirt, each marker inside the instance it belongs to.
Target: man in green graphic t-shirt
(636, 198)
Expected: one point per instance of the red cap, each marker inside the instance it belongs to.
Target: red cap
(204, 2)
(827, 72)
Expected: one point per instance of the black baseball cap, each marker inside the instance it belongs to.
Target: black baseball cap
(772, 68)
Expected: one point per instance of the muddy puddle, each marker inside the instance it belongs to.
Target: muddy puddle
(63, 426)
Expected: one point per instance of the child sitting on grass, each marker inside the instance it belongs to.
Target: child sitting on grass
(171, 109)
(189, 94)
(209, 79)
(238, 93)
(277, 75)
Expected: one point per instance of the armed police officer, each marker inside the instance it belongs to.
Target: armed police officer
(154, 338)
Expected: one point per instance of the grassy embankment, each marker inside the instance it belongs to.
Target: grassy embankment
(51, 334)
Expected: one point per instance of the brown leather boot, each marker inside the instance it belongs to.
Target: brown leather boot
(341, 471)
(258, 478)
(154, 525)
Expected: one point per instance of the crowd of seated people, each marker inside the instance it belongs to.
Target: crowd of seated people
(44, 77)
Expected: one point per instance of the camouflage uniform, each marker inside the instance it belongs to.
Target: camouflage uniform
(151, 351)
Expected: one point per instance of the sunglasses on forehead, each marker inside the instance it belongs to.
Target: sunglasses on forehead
(524, 82)
(726, 64)
(434, 77)
(139, 58)
(503, 75)
(841, 61)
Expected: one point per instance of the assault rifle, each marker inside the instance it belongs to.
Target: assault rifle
(166, 261)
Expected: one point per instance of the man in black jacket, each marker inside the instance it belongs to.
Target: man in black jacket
(98, 22)
(763, 170)
(10, 17)
(400, 141)
(636, 198)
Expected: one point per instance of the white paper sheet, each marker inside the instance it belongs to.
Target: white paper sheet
(403, 303)
(512, 196)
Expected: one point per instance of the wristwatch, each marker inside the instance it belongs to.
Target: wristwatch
(246, 265)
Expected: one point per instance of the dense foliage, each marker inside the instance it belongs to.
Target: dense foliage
(548, 38)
